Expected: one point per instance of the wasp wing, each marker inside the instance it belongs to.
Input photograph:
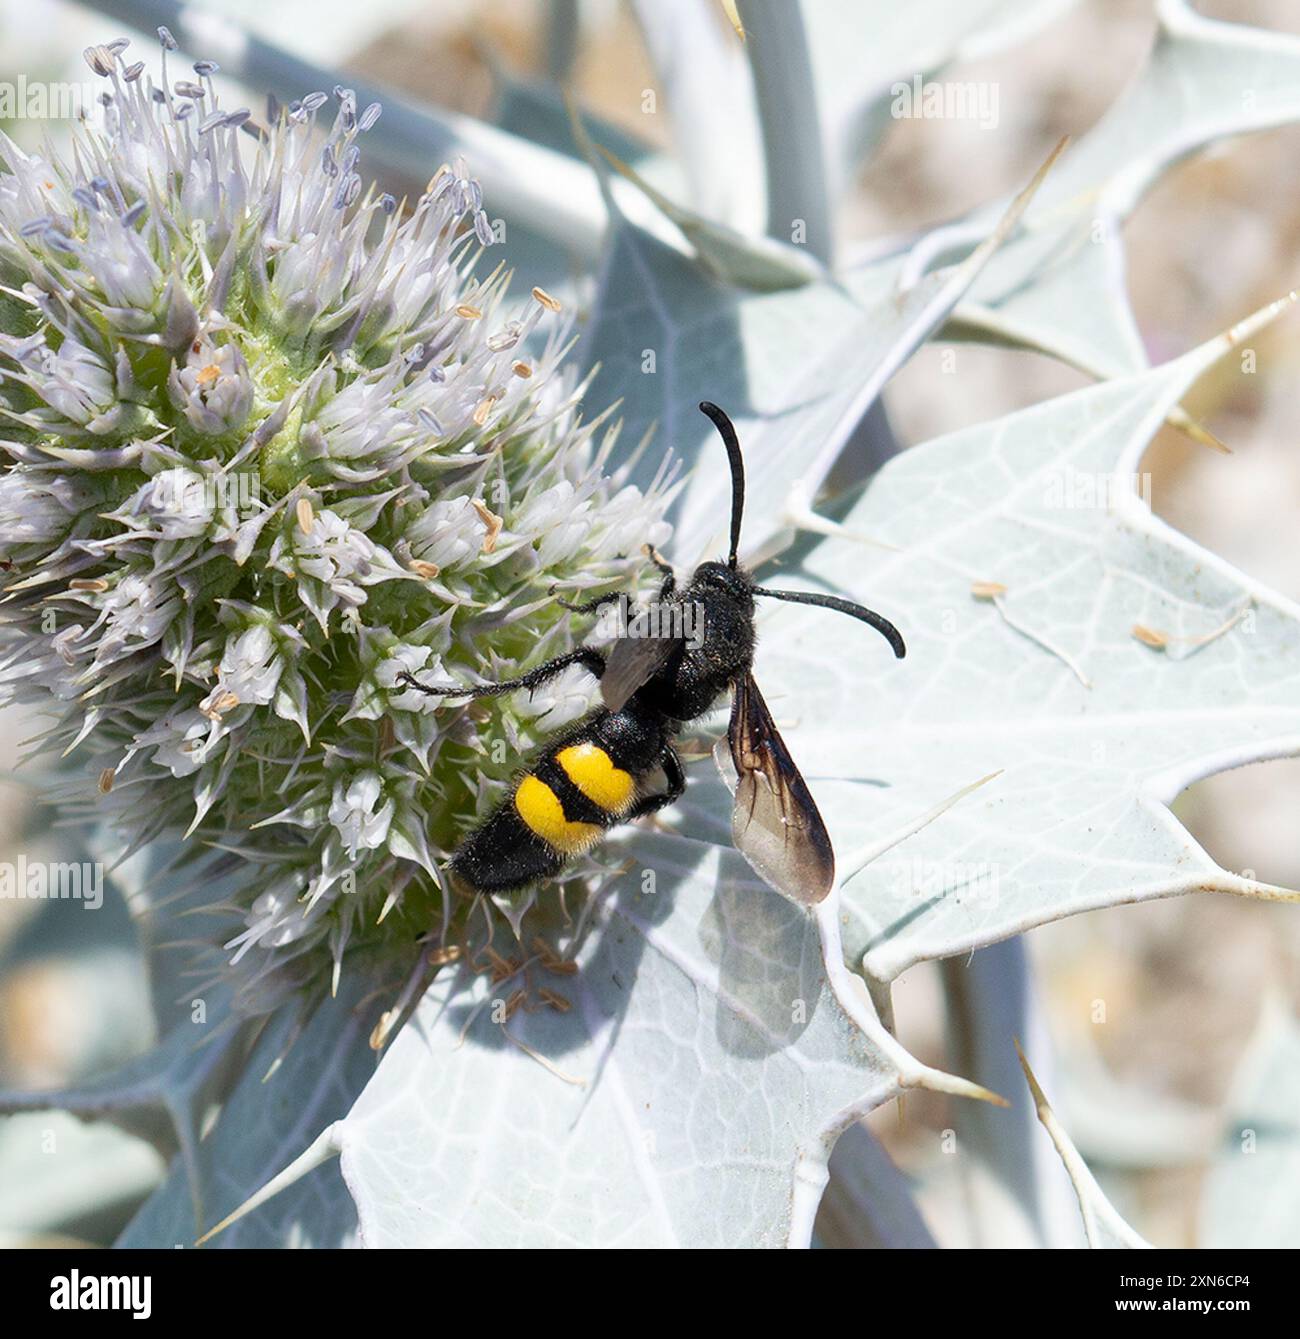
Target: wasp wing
(633, 661)
(775, 824)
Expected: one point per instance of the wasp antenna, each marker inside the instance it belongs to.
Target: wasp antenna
(727, 431)
(869, 616)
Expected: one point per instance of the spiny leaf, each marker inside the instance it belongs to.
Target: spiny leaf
(1059, 287)
(862, 48)
(1104, 1227)
(1096, 731)
(269, 1117)
(683, 1087)
(666, 336)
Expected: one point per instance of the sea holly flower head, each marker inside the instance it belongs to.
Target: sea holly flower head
(272, 441)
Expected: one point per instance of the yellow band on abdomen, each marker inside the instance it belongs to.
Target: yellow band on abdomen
(592, 770)
(539, 806)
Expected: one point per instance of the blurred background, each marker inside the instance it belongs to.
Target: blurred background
(1187, 981)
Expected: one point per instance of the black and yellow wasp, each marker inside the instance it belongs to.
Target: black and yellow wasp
(596, 774)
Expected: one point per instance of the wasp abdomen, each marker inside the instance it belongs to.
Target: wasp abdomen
(561, 807)
(596, 776)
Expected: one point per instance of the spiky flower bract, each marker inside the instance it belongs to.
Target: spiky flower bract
(271, 443)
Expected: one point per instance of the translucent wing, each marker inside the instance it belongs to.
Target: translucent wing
(631, 663)
(775, 824)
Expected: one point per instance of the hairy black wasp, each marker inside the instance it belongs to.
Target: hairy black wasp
(597, 774)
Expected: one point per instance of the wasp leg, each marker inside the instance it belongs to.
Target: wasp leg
(672, 766)
(665, 568)
(591, 660)
(591, 606)
(600, 602)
